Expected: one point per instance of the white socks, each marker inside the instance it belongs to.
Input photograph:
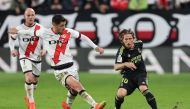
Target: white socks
(29, 92)
(87, 98)
(70, 98)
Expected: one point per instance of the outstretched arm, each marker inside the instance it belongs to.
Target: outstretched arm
(90, 43)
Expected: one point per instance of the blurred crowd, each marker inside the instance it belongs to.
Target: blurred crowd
(102, 6)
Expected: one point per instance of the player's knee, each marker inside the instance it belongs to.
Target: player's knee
(29, 77)
(35, 80)
(143, 88)
(121, 93)
(76, 86)
(149, 96)
(72, 93)
(119, 100)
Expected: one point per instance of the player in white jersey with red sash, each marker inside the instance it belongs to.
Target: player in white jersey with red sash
(29, 55)
(57, 42)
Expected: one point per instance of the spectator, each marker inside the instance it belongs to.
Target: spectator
(78, 4)
(152, 4)
(36, 4)
(182, 4)
(138, 5)
(163, 4)
(56, 5)
(119, 4)
(5, 5)
(103, 5)
(89, 5)
(19, 6)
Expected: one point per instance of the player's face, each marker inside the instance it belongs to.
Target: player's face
(60, 27)
(29, 17)
(128, 41)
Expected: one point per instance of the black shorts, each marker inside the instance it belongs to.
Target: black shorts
(130, 83)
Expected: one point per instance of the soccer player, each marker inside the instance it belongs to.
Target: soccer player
(57, 42)
(130, 62)
(29, 53)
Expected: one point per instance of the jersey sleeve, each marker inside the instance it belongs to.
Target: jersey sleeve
(119, 58)
(74, 33)
(12, 41)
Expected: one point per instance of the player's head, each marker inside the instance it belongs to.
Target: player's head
(127, 37)
(58, 22)
(29, 16)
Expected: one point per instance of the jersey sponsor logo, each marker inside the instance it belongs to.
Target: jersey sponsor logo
(29, 39)
(61, 45)
(136, 59)
(55, 42)
(31, 46)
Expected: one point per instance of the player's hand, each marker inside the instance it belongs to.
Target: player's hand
(130, 65)
(14, 53)
(12, 30)
(43, 53)
(100, 50)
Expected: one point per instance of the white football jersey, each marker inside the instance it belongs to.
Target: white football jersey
(29, 46)
(58, 45)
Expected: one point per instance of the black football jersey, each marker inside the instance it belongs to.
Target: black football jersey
(132, 55)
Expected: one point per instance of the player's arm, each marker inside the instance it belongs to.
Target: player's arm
(90, 43)
(12, 41)
(43, 50)
(84, 38)
(120, 66)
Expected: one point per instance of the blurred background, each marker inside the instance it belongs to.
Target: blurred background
(163, 26)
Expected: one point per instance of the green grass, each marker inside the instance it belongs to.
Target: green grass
(169, 91)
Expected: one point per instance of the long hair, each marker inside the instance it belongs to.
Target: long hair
(124, 32)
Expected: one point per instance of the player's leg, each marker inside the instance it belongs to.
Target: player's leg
(31, 79)
(149, 96)
(119, 99)
(126, 88)
(26, 66)
(71, 95)
(77, 86)
(143, 87)
(68, 78)
(36, 74)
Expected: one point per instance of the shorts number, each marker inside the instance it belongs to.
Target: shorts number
(125, 80)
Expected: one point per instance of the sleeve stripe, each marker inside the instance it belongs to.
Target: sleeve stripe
(121, 50)
(37, 27)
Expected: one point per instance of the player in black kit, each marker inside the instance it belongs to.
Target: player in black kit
(130, 62)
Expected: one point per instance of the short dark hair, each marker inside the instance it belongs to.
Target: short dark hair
(57, 19)
(124, 32)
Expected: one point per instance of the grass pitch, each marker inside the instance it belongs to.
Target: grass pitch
(171, 91)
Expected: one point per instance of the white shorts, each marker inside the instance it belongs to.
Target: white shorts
(61, 75)
(27, 66)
